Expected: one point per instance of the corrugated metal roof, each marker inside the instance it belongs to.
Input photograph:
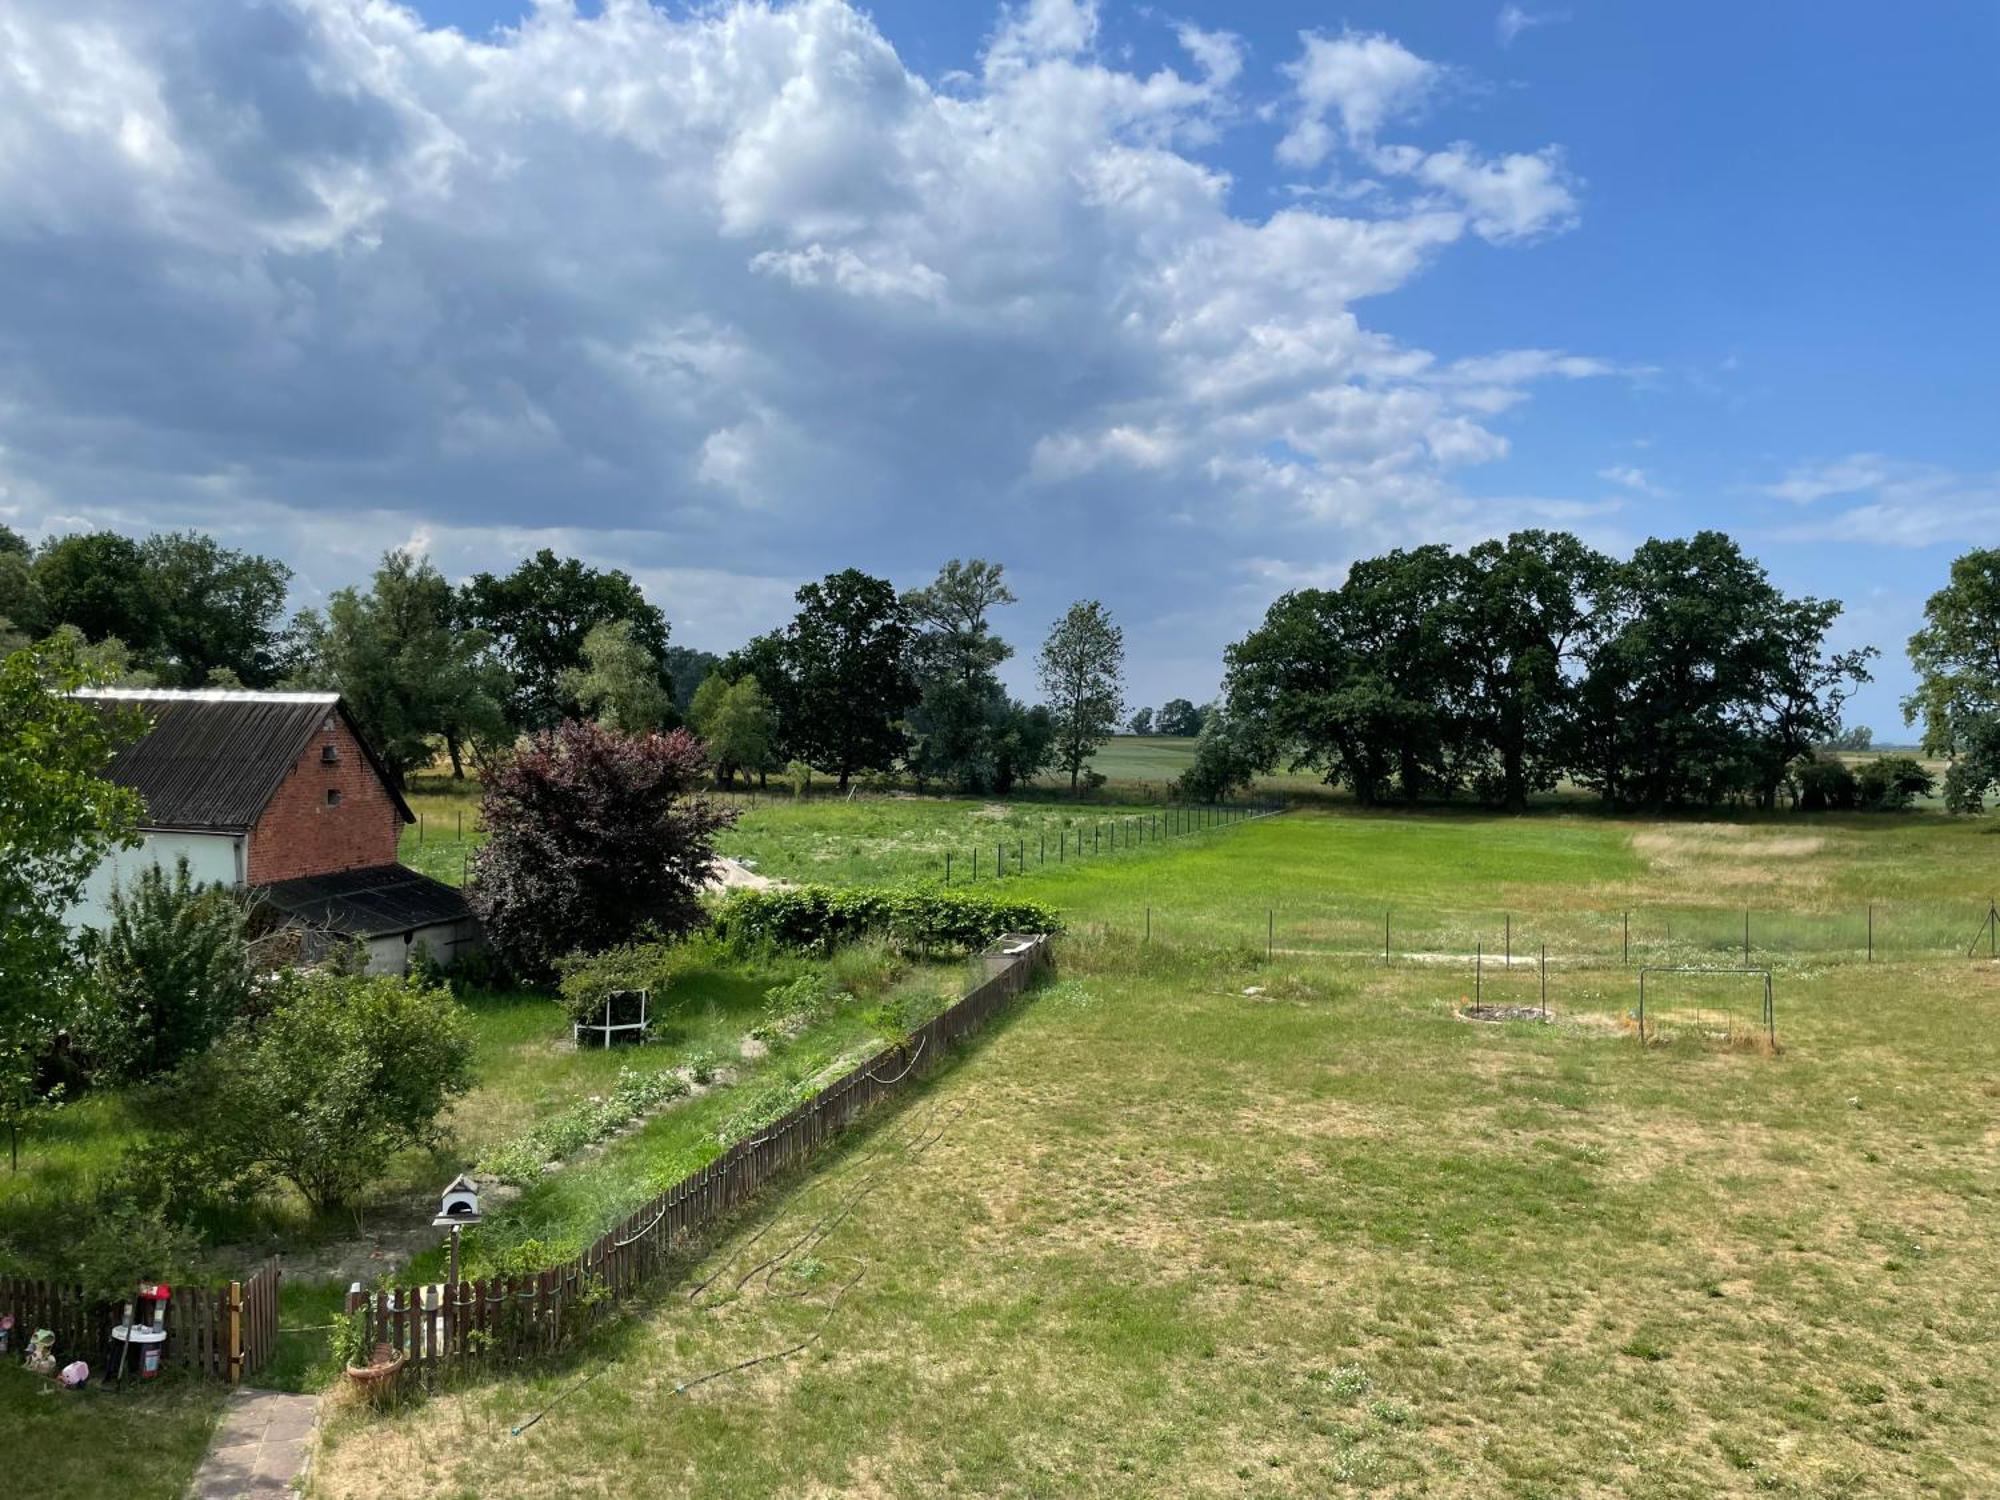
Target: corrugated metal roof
(213, 758)
(367, 903)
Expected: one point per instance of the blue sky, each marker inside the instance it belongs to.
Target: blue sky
(1173, 305)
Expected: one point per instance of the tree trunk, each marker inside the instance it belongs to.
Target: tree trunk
(457, 765)
(1513, 780)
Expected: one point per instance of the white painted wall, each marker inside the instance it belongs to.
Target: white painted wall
(213, 859)
(445, 940)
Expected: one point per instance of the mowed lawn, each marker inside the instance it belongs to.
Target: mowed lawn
(1157, 1235)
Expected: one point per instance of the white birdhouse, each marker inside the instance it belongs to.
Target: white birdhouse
(460, 1204)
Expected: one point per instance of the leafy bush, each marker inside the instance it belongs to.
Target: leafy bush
(584, 1123)
(594, 836)
(818, 916)
(111, 1250)
(586, 978)
(170, 972)
(1825, 785)
(122, 1228)
(345, 1071)
(790, 1008)
(1890, 783)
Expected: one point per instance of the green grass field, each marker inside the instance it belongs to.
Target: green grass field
(1191, 1222)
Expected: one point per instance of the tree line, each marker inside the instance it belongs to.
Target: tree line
(1678, 676)
(862, 680)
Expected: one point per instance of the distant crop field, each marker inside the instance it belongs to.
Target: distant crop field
(1153, 761)
(1197, 1221)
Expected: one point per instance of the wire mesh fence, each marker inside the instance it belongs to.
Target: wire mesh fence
(1080, 840)
(1607, 936)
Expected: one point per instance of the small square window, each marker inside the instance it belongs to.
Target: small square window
(333, 796)
(329, 755)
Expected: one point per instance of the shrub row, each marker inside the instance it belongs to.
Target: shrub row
(821, 917)
(522, 1160)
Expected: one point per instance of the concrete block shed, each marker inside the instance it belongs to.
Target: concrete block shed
(279, 795)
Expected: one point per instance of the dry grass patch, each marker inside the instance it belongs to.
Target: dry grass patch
(1325, 1240)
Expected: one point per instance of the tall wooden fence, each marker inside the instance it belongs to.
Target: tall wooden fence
(516, 1316)
(214, 1332)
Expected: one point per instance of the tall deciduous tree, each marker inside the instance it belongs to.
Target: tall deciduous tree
(539, 616)
(1957, 660)
(847, 657)
(766, 659)
(956, 655)
(59, 817)
(97, 581)
(217, 609)
(620, 684)
(686, 669)
(592, 834)
(1082, 667)
(1706, 682)
(1523, 627)
(1178, 717)
(735, 723)
(21, 616)
(410, 674)
(1297, 679)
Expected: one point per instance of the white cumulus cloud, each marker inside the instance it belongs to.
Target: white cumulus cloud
(728, 289)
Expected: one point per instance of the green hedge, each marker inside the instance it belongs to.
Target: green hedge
(820, 916)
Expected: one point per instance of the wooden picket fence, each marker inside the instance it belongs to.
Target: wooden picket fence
(520, 1316)
(222, 1332)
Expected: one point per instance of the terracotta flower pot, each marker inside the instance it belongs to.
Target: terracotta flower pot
(376, 1378)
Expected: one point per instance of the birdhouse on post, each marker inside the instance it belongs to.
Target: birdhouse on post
(458, 1208)
(460, 1205)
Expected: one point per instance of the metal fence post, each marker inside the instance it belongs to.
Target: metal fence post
(1478, 973)
(1545, 981)
(1149, 925)
(1871, 932)
(947, 867)
(1746, 937)
(1510, 939)
(1628, 940)
(1270, 933)
(1385, 934)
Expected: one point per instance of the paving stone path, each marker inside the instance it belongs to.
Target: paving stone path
(260, 1446)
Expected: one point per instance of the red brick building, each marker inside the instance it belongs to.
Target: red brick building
(278, 793)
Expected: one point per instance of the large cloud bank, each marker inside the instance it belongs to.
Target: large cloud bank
(728, 296)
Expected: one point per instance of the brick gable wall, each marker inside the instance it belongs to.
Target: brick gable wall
(299, 833)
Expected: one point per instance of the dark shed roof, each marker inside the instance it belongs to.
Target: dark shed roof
(214, 757)
(367, 903)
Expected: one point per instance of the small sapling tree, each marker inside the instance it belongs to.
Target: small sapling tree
(343, 1072)
(170, 973)
(1082, 671)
